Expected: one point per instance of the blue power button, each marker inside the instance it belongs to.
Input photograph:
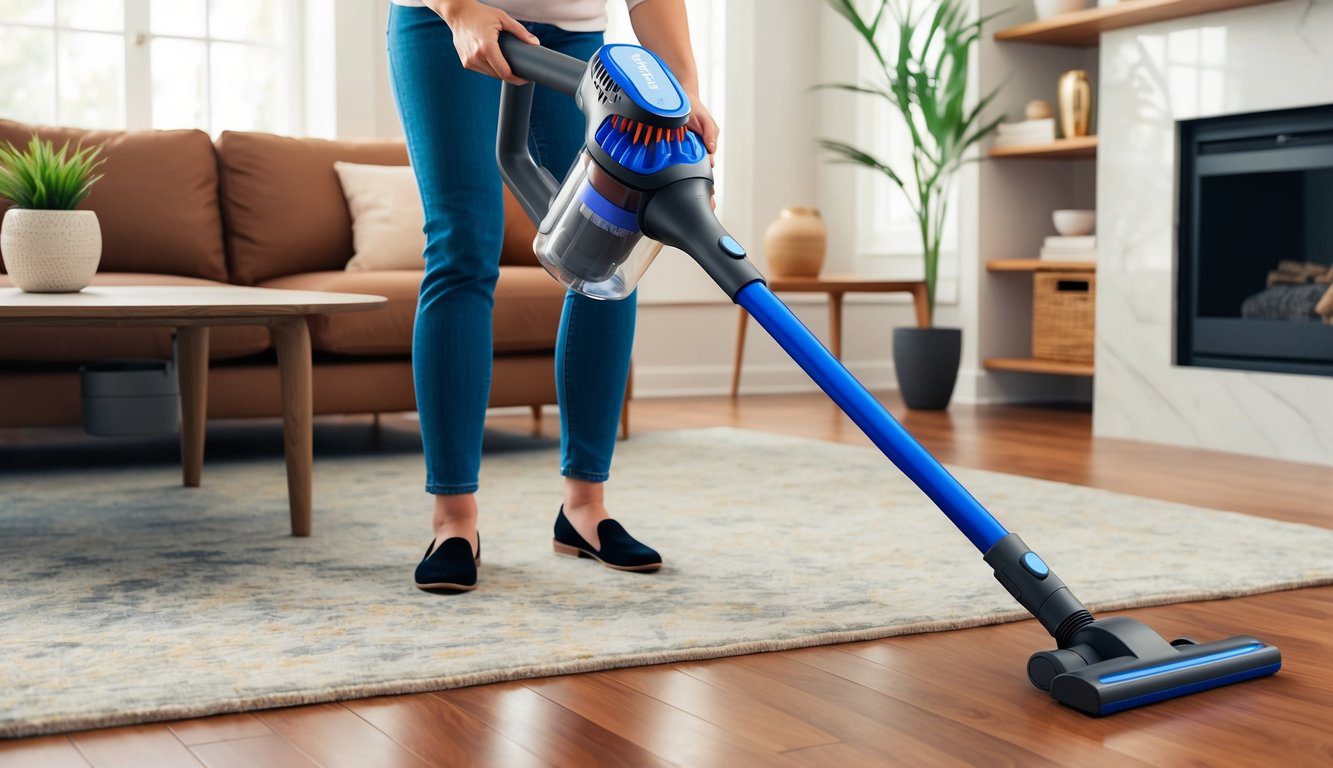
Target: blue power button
(733, 248)
(1035, 565)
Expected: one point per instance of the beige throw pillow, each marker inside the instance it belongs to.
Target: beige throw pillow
(387, 218)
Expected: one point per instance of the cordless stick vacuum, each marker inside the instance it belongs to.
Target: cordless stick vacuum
(643, 180)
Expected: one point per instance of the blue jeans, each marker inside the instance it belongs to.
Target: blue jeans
(449, 116)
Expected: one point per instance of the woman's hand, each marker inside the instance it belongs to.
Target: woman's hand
(702, 123)
(476, 28)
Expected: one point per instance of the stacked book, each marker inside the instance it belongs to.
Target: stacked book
(1025, 133)
(1059, 248)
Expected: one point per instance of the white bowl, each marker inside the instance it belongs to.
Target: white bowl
(1048, 8)
(1074, 223)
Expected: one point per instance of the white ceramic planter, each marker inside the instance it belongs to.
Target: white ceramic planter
(1048, 8)
(51, 251)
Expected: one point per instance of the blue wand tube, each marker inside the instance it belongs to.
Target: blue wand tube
(978, 525)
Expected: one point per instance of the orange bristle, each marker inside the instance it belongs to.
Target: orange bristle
(638, 128)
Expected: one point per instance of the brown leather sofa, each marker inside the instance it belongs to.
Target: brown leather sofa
(257, 209)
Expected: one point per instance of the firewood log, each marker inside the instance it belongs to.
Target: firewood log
(1287, 278)
(1325, 306)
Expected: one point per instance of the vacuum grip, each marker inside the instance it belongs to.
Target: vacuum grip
(542, 66)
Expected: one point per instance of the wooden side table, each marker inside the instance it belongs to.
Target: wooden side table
(836, 286)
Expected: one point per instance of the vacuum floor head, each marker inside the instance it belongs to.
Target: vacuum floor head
(1118, 663)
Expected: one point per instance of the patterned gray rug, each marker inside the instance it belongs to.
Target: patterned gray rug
(126, 598)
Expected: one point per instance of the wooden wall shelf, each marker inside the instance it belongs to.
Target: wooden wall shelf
(1083, 29)
(1032, 365)
(1039, 265)
(1061, 149)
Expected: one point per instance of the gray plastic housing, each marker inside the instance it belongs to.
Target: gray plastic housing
(130, 398)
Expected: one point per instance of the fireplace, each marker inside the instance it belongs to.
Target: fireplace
(1255, 259)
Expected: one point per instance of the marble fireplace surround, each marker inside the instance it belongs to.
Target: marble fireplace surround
(1256, 59)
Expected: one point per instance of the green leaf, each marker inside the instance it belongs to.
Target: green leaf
(926, 82)
(42, 177)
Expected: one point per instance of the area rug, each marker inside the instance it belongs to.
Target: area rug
(126, 598)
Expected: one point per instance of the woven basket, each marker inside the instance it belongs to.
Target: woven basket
(1063, 307)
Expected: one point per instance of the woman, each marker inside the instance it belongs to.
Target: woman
(449, 117)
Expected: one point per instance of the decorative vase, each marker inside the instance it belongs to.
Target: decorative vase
(926, 363)
(51, 251)
(796, 243)
(1075, 103)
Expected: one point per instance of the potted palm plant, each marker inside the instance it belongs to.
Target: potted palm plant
(47, 245)
(922, 57)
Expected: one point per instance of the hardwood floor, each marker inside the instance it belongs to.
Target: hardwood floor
(937, 699)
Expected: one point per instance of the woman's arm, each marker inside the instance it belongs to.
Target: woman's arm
(476, 29)
(662, 27)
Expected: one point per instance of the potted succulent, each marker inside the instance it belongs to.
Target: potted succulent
(48, 246)
(923, 56)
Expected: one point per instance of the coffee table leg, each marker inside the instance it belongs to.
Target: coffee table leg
(192, 370)
(291, 338)
(835, 323)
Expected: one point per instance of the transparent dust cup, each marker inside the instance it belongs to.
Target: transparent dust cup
(590, 240)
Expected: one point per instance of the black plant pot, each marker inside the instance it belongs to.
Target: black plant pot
(926, 361)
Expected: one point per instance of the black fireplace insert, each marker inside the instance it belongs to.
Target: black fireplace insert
(1255, 266)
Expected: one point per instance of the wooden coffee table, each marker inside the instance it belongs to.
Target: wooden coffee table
(836, 286)
(191, 310)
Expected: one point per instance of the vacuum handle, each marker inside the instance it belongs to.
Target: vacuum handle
(533, 186)
(542, 66)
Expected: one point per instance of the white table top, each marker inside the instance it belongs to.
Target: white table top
(123, 302)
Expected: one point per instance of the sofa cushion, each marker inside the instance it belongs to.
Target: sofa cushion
(157, 200)
(527, 310)
(76, 344)
(285, 211)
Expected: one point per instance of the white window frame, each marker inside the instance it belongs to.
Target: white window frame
(137, 85)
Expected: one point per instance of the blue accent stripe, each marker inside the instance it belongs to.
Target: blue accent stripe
(1185, 690)
(1171, 666)
(589, 196)
(855, 400)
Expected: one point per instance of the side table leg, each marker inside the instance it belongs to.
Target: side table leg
(742, 320)
(835, 323)
(291, 338)
(192, 370)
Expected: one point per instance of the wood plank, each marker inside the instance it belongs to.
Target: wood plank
(1039, 265)
(219, 728)
(669, 733)
(1083, 29)
(559, 736)
(334, 737)
(1076, 148)
(1033, 365)
(920, 736)
(441, 733)
(134, 746)
(747, 716)
(253, 752)
(842, 718)
(41, 752)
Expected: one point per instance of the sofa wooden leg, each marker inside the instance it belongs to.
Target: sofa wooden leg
(192, 369)
(291, 338)
(536, 418)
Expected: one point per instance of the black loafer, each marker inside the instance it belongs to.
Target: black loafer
(449, 568)
(619, 549)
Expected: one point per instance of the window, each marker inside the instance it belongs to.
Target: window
(210, 64)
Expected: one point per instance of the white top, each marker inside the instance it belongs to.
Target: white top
(573, 15)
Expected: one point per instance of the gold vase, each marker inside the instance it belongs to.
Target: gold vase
(1075, 103)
